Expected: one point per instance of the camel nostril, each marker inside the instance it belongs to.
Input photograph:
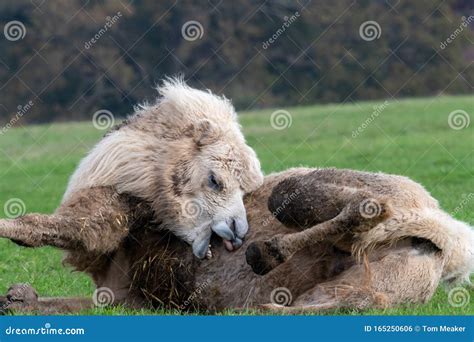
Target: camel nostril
(241, 227)
(232, 225)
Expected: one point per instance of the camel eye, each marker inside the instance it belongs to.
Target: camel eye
(213, 183)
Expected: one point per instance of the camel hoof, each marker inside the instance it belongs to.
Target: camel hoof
(24, 293)
(262, 257)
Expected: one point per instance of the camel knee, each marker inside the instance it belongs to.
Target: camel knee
(364, 211)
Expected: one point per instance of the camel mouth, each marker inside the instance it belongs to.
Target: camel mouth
(228, 245)
(232, 245)
(232, 232)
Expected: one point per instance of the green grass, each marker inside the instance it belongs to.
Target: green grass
(410, 137)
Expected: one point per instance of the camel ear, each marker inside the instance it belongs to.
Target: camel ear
(203, 132)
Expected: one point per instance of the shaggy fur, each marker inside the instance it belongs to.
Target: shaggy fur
(332, 239)
(184, 155)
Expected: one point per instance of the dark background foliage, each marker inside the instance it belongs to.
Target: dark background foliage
(320, 57)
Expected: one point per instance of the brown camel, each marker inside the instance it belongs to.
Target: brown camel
(319, 239)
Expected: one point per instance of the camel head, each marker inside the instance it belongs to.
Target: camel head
(206, 167)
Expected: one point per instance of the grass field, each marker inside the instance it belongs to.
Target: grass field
(410, 137)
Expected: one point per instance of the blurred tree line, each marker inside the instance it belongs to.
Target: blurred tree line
(77, 57)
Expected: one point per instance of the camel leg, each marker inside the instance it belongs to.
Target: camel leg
(96, 220)
(404, 275)
(38, 230)
(263, 256)
(22, 298)
(51, 306)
